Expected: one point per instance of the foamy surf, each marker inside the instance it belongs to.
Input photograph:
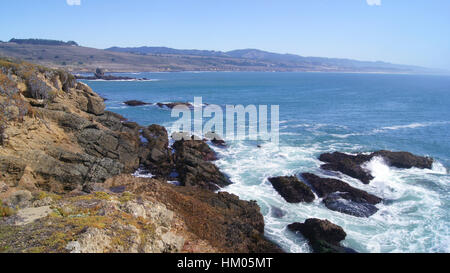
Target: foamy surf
(409, 220)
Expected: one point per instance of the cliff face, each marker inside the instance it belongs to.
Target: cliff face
(65, 180)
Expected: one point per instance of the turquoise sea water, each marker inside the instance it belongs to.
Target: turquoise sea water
(321, 112)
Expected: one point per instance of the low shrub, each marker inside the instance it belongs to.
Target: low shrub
(5, 211)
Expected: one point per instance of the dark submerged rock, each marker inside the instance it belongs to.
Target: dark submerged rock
(216, 139)
(323, 236)
(277, 212)
(219, 142)
(135, 103)
(338, 202)
(292, 189)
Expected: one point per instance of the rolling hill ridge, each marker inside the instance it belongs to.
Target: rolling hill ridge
(74, 58)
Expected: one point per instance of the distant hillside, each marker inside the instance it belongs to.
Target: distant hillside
(278, 62)
(42, 42)
(145, 50)
(74, 58)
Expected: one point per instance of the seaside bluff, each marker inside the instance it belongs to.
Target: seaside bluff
(66, 181)
(68, 184)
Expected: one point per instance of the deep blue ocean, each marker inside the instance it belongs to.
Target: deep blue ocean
(323, 112)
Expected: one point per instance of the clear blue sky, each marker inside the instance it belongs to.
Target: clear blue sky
(399, 31)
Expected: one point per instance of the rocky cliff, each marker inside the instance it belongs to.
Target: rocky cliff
(66, 183)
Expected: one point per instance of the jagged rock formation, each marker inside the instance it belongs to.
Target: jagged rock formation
(340, 196)
(157, 157)
(61, 139)
(292, 189)
(65, 183)
(352, 164)
(192, 159)
(323, 236)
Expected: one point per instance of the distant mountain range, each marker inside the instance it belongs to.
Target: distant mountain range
(75, 58)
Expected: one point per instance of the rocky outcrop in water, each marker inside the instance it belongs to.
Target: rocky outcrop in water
(99, 74)
(322, 235)
(405, 160)
(351, 165)
(347, 164)
(340, 196)
(135, 103)
(292, 189)
(172, 105)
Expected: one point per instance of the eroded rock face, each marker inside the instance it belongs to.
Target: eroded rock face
(121, 144)
(340, 196)
(156, 155)
(234, 225)
(323, 236)
(11, 169)
(192, 159)
(292, 189)
(77, 169)
(352, 164)
(61, 134)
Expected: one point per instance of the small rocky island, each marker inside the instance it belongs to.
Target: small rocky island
(99, 74)
(168, 105)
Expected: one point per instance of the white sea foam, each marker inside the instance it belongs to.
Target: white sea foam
(117, 107)
(142, 173)
(410, 220)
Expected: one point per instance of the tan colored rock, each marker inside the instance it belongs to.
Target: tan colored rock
(29, 215)
(28, 180)
(19, 199)
(3, 187)
(94, 240)
(135, 209)
(47, 201)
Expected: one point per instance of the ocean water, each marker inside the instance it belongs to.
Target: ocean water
(322, 112)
